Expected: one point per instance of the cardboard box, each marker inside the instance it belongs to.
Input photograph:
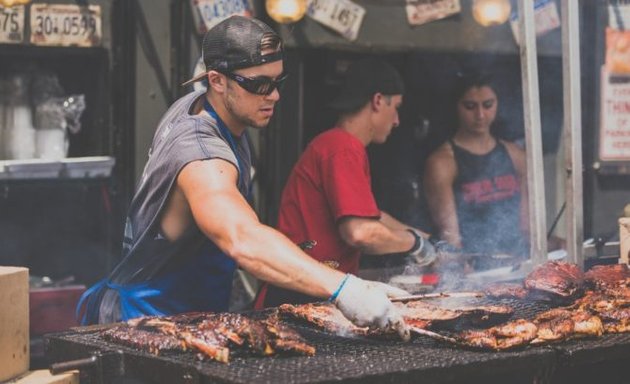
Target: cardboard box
(42, 376)
(14, 336)
(52, 309)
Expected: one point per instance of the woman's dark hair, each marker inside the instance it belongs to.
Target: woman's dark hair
(471, 79)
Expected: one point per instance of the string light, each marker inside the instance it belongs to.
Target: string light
(10, 3)
(286, 11)
(491, 12)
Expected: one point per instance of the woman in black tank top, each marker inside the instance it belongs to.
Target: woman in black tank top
(474, 182)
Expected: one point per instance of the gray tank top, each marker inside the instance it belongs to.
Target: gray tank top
(180, 139)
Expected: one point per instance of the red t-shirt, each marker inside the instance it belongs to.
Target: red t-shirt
(330, 181)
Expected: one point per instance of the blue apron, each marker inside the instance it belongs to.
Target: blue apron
(202, 283)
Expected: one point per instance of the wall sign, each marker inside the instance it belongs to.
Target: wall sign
(12, 24)
(423, 11)
(614, 130)
(208, 13)
(545, 16)
(343, 16)
(66, 25)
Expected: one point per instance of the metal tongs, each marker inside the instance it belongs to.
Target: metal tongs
(433, 335)
(437, 295)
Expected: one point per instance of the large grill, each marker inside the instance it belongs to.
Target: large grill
(354, 360)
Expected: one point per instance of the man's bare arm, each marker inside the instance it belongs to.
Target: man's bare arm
(391, 222)
(226, 218)
(373, 237)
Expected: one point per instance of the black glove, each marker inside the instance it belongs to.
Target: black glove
(423, 252)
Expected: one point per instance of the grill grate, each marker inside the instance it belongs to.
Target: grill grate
(339, 358)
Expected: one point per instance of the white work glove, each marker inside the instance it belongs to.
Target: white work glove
(366, 303)
(423, 252)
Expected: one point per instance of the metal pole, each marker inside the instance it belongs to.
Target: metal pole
(573, 129)
(533, 139)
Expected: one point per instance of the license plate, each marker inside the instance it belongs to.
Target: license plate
(12, 24)
(208, 13)
(423, 11)
(66, 25)
(343, 16)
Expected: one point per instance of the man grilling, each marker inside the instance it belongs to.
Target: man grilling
(189, 225)
(328, 195)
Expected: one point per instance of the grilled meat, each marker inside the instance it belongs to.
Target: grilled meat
(510, 335)
(422, 310)
(325, 316)
(505, 290)
(286, 338)
(562, 324)
(212, 335)
(555, 281)
(151, 342)
(601, 276)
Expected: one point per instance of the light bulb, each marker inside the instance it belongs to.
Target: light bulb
(286, 11)
(491, 12)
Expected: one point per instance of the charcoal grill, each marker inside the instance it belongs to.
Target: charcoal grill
(349, 360)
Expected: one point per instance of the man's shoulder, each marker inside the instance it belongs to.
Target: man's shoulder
(335, 140)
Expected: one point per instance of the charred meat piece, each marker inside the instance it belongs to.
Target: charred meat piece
(602, 276)
(510, 335)
(212, 335)
(563, 324)
(146, 330)
(555, 281)
(151, 342)
(205, 341)
(617, 327)
(286, 338)
(454, 312)
(421, 310)
(505, 290)
(238, 328)
(325, 316)
(485, 315)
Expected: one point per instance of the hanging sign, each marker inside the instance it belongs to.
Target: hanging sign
(208, 13)
(343, 16)
(545, 17)
(617, 51)
(12, 24)
(66, 25)
(614, 131)
(423, 11)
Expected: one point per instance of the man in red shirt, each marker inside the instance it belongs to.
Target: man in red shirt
(328, 196)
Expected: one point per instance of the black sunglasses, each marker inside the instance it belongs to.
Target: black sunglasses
(261, 85)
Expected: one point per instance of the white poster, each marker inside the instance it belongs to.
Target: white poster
(614, 131)
(423, 11)
(545, 16)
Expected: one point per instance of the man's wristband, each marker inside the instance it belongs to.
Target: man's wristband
(333, 297)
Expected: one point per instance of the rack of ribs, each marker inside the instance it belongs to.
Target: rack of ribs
(601, 276)
(505, 291)
(555, 281)
(211, 335)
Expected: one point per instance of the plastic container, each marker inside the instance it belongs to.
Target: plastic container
(91, 167)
